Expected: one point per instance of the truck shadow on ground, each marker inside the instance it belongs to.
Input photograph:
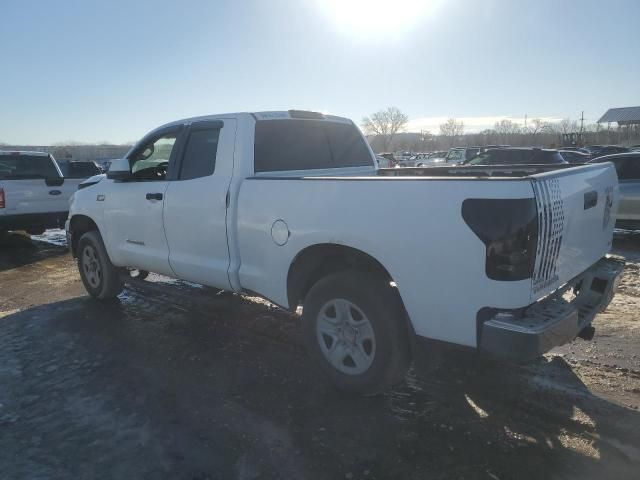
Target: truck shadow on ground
(17, 250)
(179, 383)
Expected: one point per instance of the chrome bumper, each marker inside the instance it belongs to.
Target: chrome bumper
(527, 333)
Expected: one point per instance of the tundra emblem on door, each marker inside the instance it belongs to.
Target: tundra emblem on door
(608, 203)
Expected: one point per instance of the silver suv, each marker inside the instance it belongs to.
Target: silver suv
(628, 169)
(461, 154)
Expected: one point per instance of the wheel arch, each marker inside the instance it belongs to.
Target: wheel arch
(317, 261)
(79, 225)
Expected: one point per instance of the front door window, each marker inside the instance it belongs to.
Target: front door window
(150, 161)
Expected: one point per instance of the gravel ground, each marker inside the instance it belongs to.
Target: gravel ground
(183, 382)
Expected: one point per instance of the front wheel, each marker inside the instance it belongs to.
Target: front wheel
(354, 328)
(100, 277)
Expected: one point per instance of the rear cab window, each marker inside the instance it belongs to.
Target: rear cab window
(78, 169)
(27, 167)
(305, 144)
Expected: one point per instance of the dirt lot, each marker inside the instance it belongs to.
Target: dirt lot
(177, 381)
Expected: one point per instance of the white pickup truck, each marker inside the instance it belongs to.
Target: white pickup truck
(33, 193)
(289, 205)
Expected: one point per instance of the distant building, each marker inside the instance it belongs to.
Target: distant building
(628, 120)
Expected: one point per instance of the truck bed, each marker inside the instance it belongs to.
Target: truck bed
(410, 220)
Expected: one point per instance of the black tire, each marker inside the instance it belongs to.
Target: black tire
(388, 357)
(100, 277)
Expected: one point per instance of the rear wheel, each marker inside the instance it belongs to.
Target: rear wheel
(355, 331)
(100, 277)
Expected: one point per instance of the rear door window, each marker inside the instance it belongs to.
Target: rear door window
(25, 167)
(282, 145)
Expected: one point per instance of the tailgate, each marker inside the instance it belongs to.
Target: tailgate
(33, 196)
(576, 216)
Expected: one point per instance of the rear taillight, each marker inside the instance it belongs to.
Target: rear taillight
(2, 202)
(509, 230)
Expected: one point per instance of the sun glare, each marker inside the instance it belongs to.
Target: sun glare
(377, 18)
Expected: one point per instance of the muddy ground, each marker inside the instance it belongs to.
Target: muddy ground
(177, 381)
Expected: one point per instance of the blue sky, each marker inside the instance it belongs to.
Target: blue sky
(94, 70)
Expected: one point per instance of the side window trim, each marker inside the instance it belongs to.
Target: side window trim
(193, 127)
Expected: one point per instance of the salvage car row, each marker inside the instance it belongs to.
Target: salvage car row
(291, 206)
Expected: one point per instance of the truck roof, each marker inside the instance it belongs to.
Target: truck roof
(268, 115)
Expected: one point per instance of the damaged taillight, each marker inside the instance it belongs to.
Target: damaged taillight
(2, 201)
(509, 230)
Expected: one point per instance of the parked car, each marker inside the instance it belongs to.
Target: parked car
(517, 156)
(104, 165)
(403, 159)
(576, 149)
(418, 158)
(33, 193)
(461, 154)
(78, 170)
(602, 150)
(390, 157)
(492, 147)
(301, 216)
(431, 159)
(628, 169)
(573, 156)
(384, 162)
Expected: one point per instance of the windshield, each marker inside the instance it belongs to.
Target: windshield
(22, 167)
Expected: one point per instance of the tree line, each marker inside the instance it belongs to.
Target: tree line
(386, 131)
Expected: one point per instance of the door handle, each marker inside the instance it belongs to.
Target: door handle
(154, 196)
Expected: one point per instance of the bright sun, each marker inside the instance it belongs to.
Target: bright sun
(376, 18)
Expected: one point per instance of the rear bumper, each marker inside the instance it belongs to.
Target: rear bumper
(527, 333)
(33, 220)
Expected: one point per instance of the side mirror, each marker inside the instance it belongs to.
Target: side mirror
(119, 170)
(54, 181)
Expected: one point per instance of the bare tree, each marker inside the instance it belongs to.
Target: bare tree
(566, 125)
(507, 131)
(386, 124)
(452, 129)
(538, 127)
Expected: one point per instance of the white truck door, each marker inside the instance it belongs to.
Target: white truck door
(195, 207)
(133, 207)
